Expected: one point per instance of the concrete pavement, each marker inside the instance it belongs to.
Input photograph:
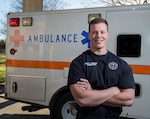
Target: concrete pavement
(10, 109)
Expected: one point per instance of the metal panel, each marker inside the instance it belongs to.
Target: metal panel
(20, 87)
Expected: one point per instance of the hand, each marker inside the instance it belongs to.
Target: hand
(84, 84)
(116, 90)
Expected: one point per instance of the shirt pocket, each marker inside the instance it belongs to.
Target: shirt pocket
(111, 77)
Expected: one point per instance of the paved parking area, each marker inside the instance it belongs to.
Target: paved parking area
(10, 109)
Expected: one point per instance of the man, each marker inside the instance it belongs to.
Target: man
(100, 82)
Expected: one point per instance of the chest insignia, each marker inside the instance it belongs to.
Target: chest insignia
(113, 65)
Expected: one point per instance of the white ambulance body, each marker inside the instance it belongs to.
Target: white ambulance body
(41, 45)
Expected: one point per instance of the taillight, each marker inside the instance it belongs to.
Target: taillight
(14, 22)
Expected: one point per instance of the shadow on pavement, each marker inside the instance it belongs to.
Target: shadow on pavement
(23, 116)
(7, 103)
(32, 108)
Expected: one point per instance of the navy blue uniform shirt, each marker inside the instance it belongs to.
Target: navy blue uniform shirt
(102, 71)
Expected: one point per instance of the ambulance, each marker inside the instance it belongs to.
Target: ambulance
(41, 45)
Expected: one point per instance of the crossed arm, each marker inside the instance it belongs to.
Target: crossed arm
(85, 96)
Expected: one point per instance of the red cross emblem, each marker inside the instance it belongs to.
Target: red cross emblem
(17, 38)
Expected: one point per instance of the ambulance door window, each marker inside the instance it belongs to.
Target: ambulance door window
(129, 45)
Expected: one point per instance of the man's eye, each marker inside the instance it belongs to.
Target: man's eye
(94, 33)
(102, 32)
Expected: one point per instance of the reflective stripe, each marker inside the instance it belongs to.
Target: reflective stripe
(137, 69)
(37, 64)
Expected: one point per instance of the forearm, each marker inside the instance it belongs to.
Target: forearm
(95, 97)
(90, 98)
(125, 98)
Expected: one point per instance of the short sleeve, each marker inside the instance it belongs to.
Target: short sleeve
(76, 71)
(126, 77)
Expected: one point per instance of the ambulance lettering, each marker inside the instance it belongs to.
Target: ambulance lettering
(49, 38)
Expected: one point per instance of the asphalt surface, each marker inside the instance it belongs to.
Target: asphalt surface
(10, 109)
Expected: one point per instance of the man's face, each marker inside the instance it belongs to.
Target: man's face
(98, 36)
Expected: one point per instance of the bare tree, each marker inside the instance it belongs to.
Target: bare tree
(2, 44)
(18, 7)
(124, 2)
(100, 3)
(54, 5)
(87, 3)
(3, 27)
(47, 5)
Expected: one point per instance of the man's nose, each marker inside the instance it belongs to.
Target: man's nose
(99, 34)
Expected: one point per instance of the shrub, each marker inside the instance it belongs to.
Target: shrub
(2, 67)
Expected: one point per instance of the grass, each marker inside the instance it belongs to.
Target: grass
(2, 67)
